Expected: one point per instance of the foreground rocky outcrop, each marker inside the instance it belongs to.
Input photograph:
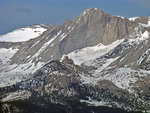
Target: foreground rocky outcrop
(63, 83)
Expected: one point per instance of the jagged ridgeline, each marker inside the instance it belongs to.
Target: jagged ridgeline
(95, 63)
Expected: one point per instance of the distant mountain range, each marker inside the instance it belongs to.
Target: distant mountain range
(95, 63)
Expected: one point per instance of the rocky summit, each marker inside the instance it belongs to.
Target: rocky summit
(96, 62)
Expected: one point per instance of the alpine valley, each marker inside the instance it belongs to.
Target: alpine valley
(96, 63)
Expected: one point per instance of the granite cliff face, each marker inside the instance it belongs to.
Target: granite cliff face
(92, 27)
(97, 58)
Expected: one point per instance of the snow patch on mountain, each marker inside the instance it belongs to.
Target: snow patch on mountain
(133, 18)
(6, 54)
(89, 79)
(95, 102)
(12, 74)
(146, 25)
(23, 34)
(125, 77)
(91, 53)
(121, 77)
(18, 95)
(92, 102)
(104, 66)
(46, 44)
(120, 16)
(139, 36)
(145, 56)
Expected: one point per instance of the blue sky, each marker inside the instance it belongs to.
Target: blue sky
(19, 13)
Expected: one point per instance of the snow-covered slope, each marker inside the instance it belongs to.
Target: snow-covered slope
(98, 60)
(6, 54)
(23, 34)
(10, 44)
(91, 53)
(17, 95)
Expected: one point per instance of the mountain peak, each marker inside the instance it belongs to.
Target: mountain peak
(91, 11)
(95, 58)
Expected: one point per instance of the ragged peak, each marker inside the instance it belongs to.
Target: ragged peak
(90, 11)
(93, 9)
(67, 60)
(67, 21)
